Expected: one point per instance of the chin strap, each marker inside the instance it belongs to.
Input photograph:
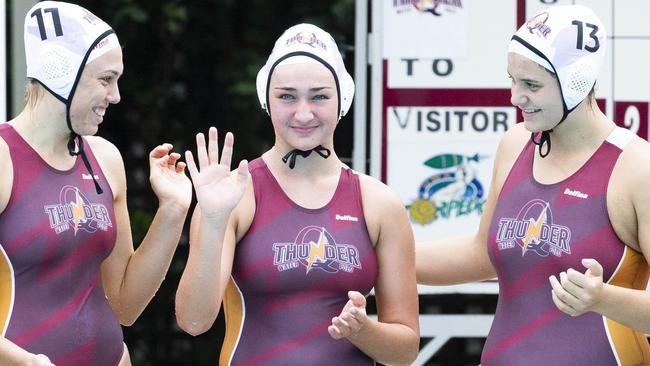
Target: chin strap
(80, 151)
(291, 155)
(545, 138)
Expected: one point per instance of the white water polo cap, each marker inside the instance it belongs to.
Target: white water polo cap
(304, 43)
(569, 41)
(60, 39)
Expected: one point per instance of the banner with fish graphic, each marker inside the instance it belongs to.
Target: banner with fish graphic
(440, 160)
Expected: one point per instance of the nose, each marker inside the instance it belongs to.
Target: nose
(517, 97)
(304, 112)
(114, 94)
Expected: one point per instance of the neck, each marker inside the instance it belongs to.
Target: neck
(44, 127)
(312, 165)
(586, 127)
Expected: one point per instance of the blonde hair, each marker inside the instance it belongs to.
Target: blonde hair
(34, 92)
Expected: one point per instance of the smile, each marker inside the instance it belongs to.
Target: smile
(99, 111)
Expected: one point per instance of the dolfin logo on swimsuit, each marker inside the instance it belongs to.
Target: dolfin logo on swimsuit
(533, 230)
(315, 249)
(85, 176)
(76, 212)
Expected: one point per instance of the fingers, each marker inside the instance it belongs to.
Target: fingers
(334, 332)
(357, 298)
(210, 154)
(226, 154)
(191, 165)
(242, 172)
(344, 326)
(594, 269)
(562, 299)
(201, 152)
(180, 167)
(213, 145)
(571, 281)
(172, 159)
(160, 151)
(351, 320)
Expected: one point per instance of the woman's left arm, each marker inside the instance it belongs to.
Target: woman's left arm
(394, 337)
(132, 277)
(576, 292)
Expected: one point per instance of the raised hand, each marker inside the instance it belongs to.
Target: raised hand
(167, 177)
(352, 319)
(577, 293)
(217, 190)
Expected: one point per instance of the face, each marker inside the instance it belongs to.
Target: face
(97, 89)
(536, 92)
(304, 105)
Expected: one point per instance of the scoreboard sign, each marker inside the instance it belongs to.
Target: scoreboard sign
(446, 97)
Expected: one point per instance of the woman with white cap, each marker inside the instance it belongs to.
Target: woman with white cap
(68, 272)
(565, 227)
(294, 241)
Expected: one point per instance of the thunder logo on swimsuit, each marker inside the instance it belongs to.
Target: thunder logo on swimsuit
(315, 248)
(76, 212)
(534, 231)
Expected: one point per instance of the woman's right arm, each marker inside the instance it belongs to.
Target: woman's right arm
(212, 233)
(465, 258)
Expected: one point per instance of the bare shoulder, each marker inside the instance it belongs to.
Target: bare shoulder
(377, 195)
(633, 166)
(515, 138)
(6, 178)
(510, 146)
(110, 160)
(383, 209)
(103, 149)
(513, 141)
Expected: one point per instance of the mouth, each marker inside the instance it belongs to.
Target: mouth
(99, 111)
(304, 129)
(529, 111)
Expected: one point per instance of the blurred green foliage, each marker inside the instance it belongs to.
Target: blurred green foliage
(190, 65)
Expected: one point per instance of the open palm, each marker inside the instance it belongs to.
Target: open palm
(167, 176)
(217, 190)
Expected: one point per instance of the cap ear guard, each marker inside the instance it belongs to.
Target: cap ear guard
(311, 41)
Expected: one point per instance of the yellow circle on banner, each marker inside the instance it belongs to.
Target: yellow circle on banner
(422, 211)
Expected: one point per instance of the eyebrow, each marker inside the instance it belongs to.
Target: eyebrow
(525, 80)
(112, 72)
(317, 89)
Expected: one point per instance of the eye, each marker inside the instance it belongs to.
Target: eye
(532, 85)
(320, 97)
(106, 80)
(286, 97)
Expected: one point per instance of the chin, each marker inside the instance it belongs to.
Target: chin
(533, 127)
